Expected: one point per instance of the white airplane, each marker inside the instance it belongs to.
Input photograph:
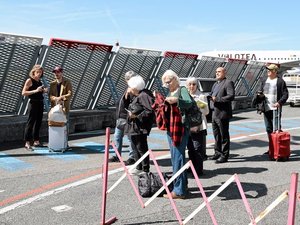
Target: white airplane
(287, 59)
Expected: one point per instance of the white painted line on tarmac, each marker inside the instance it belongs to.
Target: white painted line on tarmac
(61, 208)
(61, 189)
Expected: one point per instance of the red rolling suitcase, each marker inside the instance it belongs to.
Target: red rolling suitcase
(279, 145)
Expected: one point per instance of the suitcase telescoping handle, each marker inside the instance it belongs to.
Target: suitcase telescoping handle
(278, 113)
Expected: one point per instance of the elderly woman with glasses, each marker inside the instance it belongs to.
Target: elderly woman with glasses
(197, 139)
(178, 100)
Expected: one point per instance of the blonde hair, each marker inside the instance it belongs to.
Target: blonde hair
(35, 68)
(170, 74)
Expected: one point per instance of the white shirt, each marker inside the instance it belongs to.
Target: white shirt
(270, 92)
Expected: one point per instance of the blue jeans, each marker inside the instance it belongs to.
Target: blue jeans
(178, 161)
(118, 136)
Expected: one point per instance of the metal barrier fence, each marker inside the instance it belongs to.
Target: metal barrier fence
(97, 73)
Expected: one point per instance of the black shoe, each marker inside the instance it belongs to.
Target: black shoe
(114, 159)
(38, 145)
(221, 160)
(214, 157)
(129, 162)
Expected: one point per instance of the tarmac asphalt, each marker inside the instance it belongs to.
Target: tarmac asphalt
(47, 188)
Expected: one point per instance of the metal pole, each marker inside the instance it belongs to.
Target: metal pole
(104, 184)
(292, 199)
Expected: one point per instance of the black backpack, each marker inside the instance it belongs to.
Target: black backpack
(149, 183)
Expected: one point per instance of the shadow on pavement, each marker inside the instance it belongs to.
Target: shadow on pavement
(251, 190)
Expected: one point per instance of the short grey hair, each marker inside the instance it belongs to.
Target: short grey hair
(191, 80)
(129, 74)
(171, 74)
(136, 82)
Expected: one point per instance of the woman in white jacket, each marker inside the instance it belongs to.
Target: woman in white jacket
(197, 139)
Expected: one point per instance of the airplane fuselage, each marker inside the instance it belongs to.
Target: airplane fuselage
(278, 57)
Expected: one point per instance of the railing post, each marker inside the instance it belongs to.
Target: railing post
(292, 199)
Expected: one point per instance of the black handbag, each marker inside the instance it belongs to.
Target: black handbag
(194, 115)
(149, 183)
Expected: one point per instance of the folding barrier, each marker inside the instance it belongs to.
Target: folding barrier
(97, 72)
(206, 67)
(235, 68)
(251, 75)
(180, 63)
(18, 55)
(83, 64)
(207, 200)
(292, 194)
(141, 61)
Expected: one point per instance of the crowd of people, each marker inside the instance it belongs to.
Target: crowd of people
(138, 109)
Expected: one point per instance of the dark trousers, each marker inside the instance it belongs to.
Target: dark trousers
(196, 150)
(268, 118)
(34, 122)
(222, 139)
(140, 145)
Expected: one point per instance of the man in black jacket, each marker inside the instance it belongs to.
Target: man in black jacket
(276, 94)
(221, 96)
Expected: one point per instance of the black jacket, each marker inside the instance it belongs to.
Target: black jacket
(224, 97)
(122, 105)
(142, 108)
(282, 91)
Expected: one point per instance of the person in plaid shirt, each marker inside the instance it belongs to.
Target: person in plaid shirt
(178, 101)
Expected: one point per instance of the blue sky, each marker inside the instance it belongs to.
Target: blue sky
(191, 26)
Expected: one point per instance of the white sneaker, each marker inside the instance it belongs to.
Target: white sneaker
(135, 171)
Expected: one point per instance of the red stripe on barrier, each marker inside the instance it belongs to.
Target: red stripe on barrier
(63, 43)
(180, 55)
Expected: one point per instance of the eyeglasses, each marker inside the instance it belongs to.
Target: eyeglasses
(192, 84)
(168, 82)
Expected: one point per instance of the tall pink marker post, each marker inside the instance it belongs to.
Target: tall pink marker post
(292, 199)
(104, 184)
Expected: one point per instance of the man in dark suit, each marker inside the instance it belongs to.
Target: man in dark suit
(221, 96)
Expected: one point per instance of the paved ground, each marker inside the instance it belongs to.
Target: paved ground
(47, 188)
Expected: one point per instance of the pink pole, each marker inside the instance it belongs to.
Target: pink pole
(212, 216)
(135, 189)
(104, 184)
(246, 203)
(292, 199)
(166, 187)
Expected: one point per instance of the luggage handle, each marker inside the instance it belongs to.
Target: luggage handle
(278, 112)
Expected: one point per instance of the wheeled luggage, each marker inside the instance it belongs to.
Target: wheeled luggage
(279, 144)
(58, 141)
(58, 137)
